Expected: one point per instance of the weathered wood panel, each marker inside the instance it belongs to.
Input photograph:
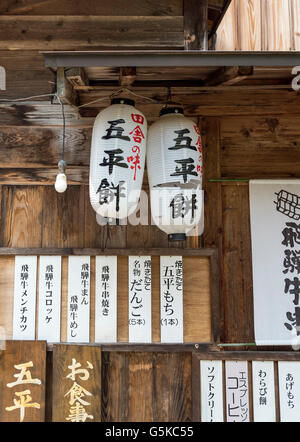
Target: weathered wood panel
(146, 386)
(237, 296)
(22, 381)
(254, 147)
(81, 365)
(92, 7)
(93, 32)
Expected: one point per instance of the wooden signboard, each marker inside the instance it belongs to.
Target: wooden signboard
(22, 381)
(76, 384)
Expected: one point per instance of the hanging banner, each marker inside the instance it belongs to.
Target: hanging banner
(289, 391)
(212, 407)
(79, 299)
(171, 299)
(22, 381)
(275, 231)
(106, 299)
(139, 281)
(49, 298)
(263, 386)
(24, 297)
(77, 383)
(237, 391)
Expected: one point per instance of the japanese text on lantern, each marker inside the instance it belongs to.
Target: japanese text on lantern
(186, 166)
(79, 397)
(23, 398)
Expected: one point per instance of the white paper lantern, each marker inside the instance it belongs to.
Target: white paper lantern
(174, 164)
(117, 159)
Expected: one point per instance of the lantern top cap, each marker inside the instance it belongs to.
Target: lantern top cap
(122, 101)
(171, 110)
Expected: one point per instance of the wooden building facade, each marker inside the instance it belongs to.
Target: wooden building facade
(249, 118)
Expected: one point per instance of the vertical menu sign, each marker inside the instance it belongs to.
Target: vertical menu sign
(237, 391)
(79, 299)
(24, 298)
(211, 375)
(106, 299)
(264, 407)
(49, 298)
(171, 299)
(289, 391)
(139, 279)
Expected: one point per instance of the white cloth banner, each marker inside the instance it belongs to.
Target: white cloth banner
(24, 298)
(211, 375)
(106, 299)
(237, 391)
(79, 299)
(263, 386)
(289, 391)
(139, 299)
(171, 299)
(275, 230)
(49, 298)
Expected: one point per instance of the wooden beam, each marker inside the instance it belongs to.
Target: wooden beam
(195, 24)
(65, 90)
(127, 76)
(66, 32)
(77, 77)
(229, 75)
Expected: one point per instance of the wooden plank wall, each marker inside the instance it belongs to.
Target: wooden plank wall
(254, 25)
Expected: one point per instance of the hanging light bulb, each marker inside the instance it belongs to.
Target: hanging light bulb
(117, 159)
(174, 165)
(61, 178)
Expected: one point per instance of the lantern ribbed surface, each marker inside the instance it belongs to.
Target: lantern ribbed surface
(117, 160)
(174, 165)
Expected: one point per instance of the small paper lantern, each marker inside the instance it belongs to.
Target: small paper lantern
(174, 164)
(117, 159)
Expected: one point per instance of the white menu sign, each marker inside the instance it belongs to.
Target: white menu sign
(79, 299)
(275, 232)
(139, 281)
(49, 298)
(171, 299)
(106, 299)
(263, 385)
(289, 391)
(237, 391)
(211, 375)
(24, 297)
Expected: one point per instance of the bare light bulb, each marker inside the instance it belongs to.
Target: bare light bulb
(61, 183)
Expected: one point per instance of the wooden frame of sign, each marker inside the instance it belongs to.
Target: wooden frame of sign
(238, 356)
(213, 284)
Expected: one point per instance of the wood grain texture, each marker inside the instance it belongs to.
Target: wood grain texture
(92, 7)
(16, 353)
(141, 387)
(90, 32)
(269, 25)
(63, 357)
(237, 265)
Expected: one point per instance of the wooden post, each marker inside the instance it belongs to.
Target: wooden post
(195, 25)
(65, 89)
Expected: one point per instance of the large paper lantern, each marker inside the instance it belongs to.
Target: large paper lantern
(117, 159)
(174, 164)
